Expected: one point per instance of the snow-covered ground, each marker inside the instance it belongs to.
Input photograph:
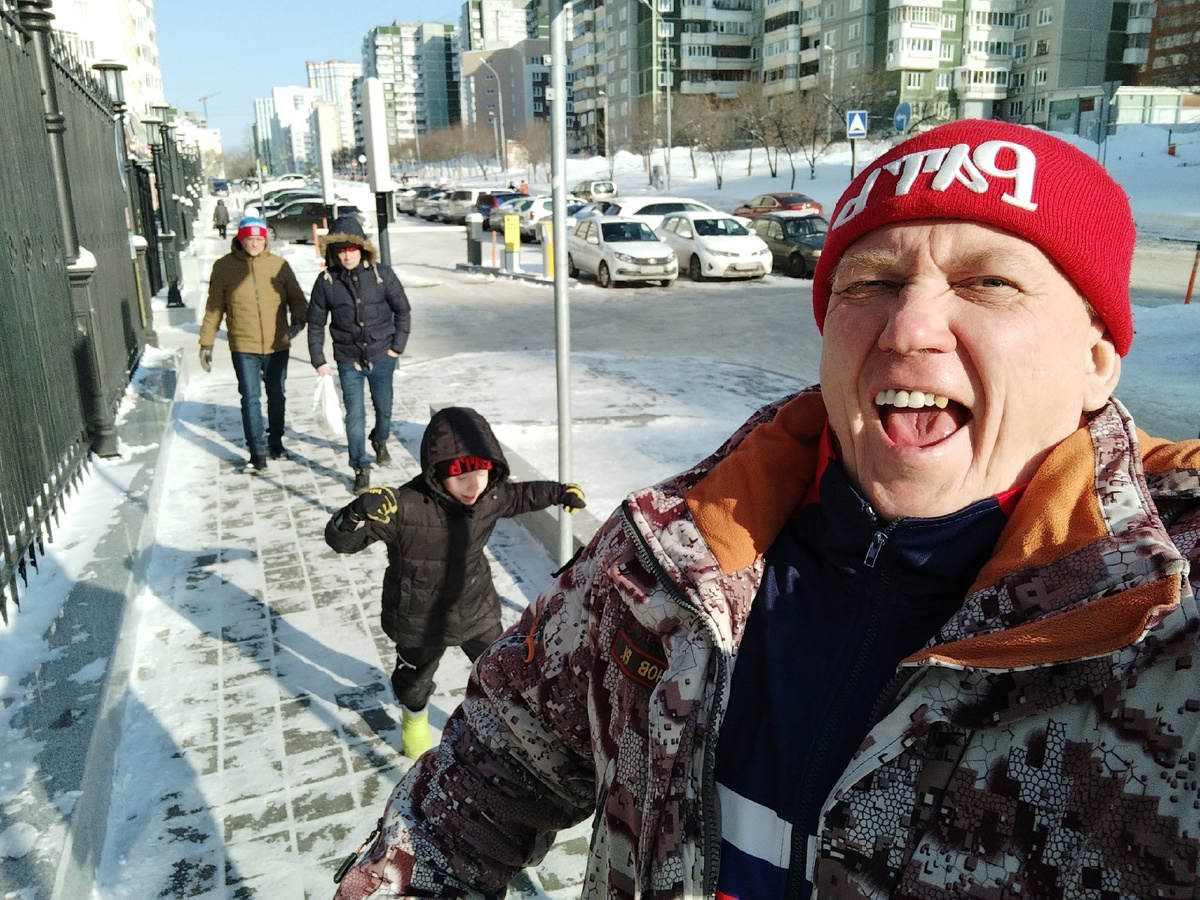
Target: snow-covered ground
(639, 420)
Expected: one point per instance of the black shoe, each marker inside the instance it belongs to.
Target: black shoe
(278, 453)
(382, 457)
(258, 465)
(362, 479)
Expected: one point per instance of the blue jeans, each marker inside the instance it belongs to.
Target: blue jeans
(379, 377)
(253, 371)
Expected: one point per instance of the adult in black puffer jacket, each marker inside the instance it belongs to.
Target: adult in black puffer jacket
(369, 323)
(437, 590)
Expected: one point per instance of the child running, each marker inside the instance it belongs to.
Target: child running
(437, 590)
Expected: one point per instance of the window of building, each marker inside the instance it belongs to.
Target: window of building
(1039, 105)
(624, 85)
(667, 6)
(1039, 76)
(829, 10)
(854, 31)
(914, 79)
(1042, 47)
(830, 39)
(624, 60)
(946, 51)
(624, 37)
(919, 45)
(853, 5)
(949, 22)
(854, 59)
(623, 16)
(1020, 51)
(1017, 83)
(943, 80)
(612, 66)
(1016, 109)
(1022, 21)
(1044, 16)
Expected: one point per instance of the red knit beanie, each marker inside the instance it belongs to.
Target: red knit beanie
(1026, 181)
(466, 464)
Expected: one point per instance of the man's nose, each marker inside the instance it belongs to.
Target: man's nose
(919, 320)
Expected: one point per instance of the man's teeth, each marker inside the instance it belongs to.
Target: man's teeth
(910, 399)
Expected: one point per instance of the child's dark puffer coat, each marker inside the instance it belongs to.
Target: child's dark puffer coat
(438, 589)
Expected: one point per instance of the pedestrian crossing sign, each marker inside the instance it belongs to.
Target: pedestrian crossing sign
(856, 123)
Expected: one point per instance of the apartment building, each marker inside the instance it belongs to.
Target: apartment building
(334, 82)
(511, 81)
(418, 64)
(1167, 33)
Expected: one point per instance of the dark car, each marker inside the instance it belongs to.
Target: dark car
(218, 187)
(489, 200)
(295, 221)
(795, 239)
(768, 203)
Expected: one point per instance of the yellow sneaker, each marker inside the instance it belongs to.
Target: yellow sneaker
(414, 733)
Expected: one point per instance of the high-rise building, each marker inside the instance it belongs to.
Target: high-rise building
(514, 77)
(291, 140)
(334, 81)
(418, 64)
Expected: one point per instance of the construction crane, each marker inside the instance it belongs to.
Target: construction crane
(204, 101)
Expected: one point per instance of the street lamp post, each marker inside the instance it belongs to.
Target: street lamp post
(829, 98)
(500, 106)
(495, 135)
(155, 135)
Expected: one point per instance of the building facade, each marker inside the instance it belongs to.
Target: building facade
(334, 82)
(418, 64)
(512, 80)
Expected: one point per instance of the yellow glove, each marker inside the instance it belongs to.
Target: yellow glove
(571, 498)
(377, 504)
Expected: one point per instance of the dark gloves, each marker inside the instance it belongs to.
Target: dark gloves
(375, 505)
(206, 358)
(296, 327)
(571, 497)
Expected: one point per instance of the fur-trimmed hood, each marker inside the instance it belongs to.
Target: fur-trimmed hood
(346, 230)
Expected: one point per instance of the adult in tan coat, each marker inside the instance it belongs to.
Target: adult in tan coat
(254, 291)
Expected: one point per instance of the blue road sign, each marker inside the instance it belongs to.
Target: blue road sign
(901, 116)
(856, 123)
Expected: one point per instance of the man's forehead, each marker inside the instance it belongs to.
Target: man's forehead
(947, 240)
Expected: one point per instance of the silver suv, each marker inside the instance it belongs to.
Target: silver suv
(461, 202)
(591, 191)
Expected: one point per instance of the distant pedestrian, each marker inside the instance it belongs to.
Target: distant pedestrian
(254, 291)
(437, 590)
(512, 185)
(524, 188)
(368, 315)
(221, 218)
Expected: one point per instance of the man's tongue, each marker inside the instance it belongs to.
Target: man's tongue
(919, 427)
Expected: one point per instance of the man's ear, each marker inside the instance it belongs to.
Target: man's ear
(1105, 371)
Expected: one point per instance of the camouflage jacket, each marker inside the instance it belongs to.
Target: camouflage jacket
(1046, 742)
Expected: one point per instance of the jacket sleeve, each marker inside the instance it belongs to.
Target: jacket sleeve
(317, 316)
(401, 311)
(520, 497)
(216, 304)
(515, 762)
(350, 529)
(294, 296)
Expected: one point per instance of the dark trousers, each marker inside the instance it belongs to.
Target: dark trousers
(379, 378)
(255, 371)
(412, 679)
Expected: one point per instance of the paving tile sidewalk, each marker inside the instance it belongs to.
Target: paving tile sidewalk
(259, 735)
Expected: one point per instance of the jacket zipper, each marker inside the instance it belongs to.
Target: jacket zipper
(798, 862)
(712, 837)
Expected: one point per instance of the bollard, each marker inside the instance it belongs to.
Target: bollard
(1187, 298)
(475, 239)
(546, 226)
(493, 234)
(512, 242)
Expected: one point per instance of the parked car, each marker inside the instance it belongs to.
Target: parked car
(591, 191)
(487, 201)
(295, 221)
(540, 209)
(619, 249)
(766, 203)
(599, 208)
(715, 245)
(795, 239)
(461, 202)
(427, 206)
(407, 201)
(515, 205)
(283, 199)
(218, 187)
(652, 209)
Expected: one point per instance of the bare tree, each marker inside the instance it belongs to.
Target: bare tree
(754, 121)
(688, 126)
(535, 138)
(643, 138)
(479, 145)
(717, 140)
(807, 126)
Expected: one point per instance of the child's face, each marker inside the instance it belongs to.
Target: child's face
(467, 487)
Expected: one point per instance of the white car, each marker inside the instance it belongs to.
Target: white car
(619, 249)
(430, 206)
(651, 210)
(715, 245)
(540, 210)
(515, 205)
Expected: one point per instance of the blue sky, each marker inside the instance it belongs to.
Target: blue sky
(237, 51)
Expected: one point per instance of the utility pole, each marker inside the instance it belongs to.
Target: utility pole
(558, 231)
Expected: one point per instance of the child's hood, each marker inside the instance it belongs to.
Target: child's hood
(460, 431)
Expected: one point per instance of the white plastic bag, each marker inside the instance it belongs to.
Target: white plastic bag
(327, 410)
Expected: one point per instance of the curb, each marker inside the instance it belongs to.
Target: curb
(87, 829)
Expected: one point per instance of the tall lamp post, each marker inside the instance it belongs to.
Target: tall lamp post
(156, 132)
(607, 152)
(495, 136)
(500, 103)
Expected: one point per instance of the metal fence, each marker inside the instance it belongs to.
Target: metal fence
(74, 309)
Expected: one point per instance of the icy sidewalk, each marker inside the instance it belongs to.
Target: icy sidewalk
(259, 735)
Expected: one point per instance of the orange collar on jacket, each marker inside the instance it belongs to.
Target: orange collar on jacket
(743, 502)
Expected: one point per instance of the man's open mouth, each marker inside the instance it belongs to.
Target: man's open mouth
(919, 418)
